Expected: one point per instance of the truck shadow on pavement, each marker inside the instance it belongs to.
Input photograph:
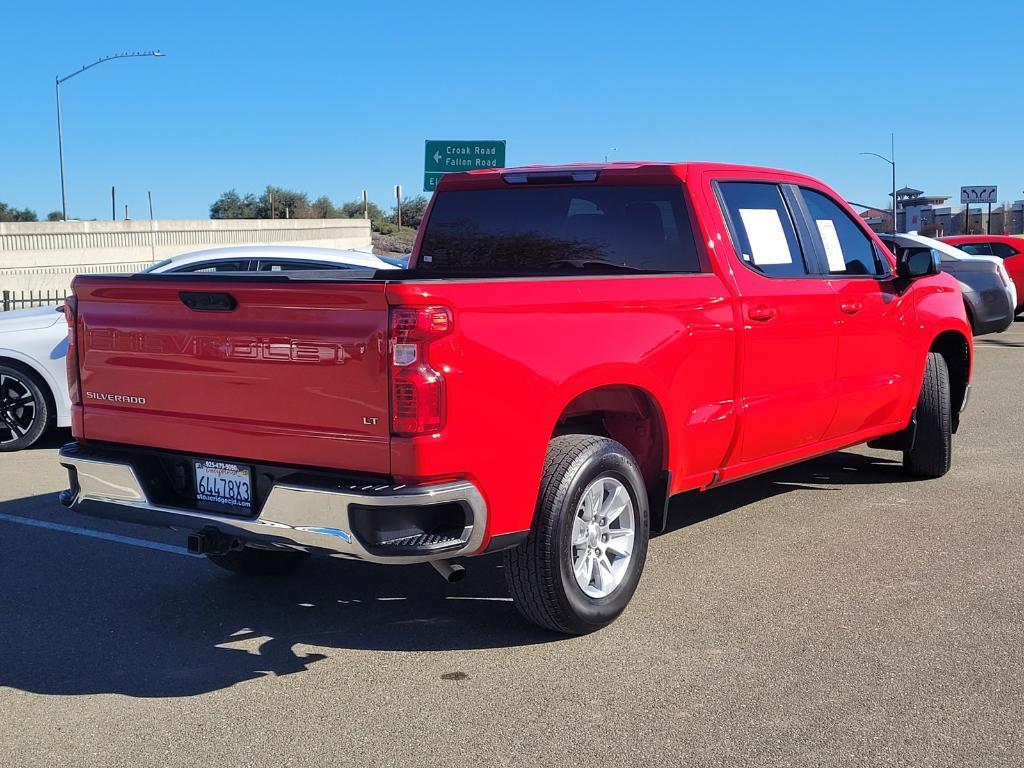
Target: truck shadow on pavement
(840, 468)
(84, 616)
(52, 438)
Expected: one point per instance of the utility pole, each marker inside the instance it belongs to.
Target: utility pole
(113, 205)
(892, 154)
(398, 204)
(126, 211)
(152, 228)
(366, 205)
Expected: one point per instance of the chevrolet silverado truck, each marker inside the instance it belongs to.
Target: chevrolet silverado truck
(569, 348)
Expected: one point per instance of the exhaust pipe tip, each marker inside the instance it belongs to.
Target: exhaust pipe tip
(450, 572)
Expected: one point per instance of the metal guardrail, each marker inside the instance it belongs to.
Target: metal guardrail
(10, 300)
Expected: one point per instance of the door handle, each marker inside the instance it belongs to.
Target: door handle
(763, 313)
(208, 301)
(851, 307)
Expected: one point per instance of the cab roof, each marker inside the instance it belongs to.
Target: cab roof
(622, 171)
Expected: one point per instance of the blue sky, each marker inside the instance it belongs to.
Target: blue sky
(332, 97)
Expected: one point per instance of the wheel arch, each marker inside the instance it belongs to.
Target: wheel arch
(627, 413)
(969, 310)
(35, 372)
(956, 351)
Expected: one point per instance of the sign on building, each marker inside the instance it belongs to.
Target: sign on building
(453, 156)
(979, 195)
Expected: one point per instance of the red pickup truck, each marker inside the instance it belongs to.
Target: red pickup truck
(570, 347)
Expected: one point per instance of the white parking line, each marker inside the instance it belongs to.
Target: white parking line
(97, 535)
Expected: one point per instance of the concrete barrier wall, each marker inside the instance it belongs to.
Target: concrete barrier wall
(43, 256)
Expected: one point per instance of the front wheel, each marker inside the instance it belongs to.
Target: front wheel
(25, 411)
(583, 558)
(932, 454)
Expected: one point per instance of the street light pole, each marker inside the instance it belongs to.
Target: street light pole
(891, 161)
(60, 150)
(60, 130)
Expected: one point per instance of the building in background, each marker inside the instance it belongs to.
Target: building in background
(918, 212)
(933, 216)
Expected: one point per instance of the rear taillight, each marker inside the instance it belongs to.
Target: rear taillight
(417, 390)
(71, 358)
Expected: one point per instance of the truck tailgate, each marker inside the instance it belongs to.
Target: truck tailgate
(279, 372)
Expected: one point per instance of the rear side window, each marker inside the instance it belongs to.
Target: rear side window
(976, 249)
(848, 250)
(1003, 250)
(764, 229)
(285, 265)
(216, 266)
(537, 230)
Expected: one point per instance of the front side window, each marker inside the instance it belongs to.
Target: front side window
(848, 250)
(763, 227)
(538, 230)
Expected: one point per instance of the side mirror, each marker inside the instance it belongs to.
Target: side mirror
(919, 262)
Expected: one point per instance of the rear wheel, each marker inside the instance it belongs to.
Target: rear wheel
(25, 410)
(583, 558)
(258, 562)
(932, 453)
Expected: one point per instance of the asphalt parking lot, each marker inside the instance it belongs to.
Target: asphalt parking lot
(828, 614)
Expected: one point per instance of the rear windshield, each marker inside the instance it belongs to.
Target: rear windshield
(537, 230)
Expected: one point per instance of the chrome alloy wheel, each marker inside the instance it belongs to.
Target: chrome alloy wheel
(602, 537)
(18, 410)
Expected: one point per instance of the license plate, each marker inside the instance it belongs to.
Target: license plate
(223, 487)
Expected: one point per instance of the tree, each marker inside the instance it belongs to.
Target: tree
(354, 210)
(287, 204)
(8, 213)
(323, 208)
(231, 205)
(413, 209)
(55, 216)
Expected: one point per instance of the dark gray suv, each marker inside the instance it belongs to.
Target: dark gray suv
(989, 295)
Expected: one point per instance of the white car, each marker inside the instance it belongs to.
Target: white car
(34, 342)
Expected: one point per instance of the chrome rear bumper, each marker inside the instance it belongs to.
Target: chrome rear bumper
(292, 517)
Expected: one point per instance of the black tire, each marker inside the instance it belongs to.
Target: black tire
(932, 453)
(258, 562)
(539, 571)
(24, 421)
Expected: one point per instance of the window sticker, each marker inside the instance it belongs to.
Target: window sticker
(766, 236)
(833, 249)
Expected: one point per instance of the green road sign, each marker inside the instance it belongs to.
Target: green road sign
(452, 156)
